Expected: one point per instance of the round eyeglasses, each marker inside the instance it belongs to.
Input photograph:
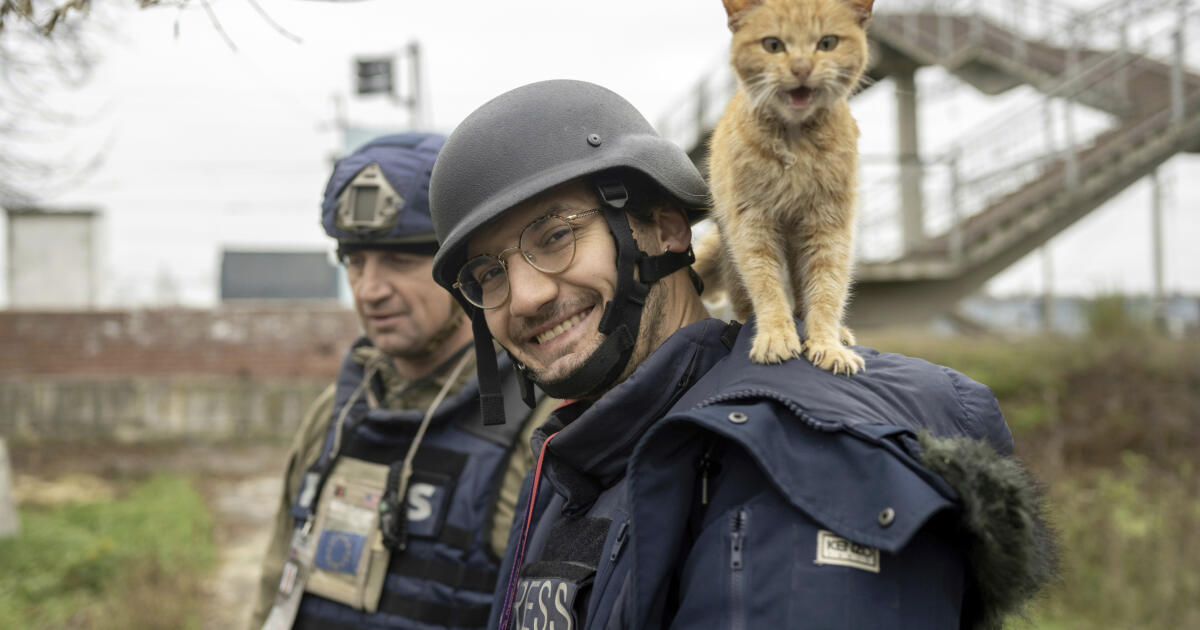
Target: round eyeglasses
(547, 244)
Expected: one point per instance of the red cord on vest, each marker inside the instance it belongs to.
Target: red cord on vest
(511, 589)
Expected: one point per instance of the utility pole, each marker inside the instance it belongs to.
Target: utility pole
(1158, 299)
(416, 95)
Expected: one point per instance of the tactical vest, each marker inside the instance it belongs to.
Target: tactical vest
(445, 575)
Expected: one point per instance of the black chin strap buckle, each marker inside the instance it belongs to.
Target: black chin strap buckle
(654, 268)
(613, 193)
(528, 396)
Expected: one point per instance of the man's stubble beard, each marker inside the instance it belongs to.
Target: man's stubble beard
(650, 333)
(426, 344)
(402, 351)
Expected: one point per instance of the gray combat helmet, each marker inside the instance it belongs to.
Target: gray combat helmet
(530, 140)
(534, 138)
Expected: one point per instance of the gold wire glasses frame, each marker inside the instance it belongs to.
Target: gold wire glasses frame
(547, 244)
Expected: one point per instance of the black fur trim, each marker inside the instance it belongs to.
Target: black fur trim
(1012, 551)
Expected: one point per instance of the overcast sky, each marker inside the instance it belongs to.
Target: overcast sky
(208, 147)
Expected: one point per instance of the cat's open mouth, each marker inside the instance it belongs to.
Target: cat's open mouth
(800, 97)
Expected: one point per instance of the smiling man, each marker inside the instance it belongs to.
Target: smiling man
(553, 325)
(397, 500)
(686, 486)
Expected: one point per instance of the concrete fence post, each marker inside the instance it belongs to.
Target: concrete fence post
(9, 525)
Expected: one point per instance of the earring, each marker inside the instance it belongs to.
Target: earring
(667, 249)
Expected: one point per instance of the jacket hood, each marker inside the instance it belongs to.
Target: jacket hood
(894, 390)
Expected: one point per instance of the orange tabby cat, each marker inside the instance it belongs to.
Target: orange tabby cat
(783, 172)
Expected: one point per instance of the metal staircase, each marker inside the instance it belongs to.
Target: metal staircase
(1009, 185)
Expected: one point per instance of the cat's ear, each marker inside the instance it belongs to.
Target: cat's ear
(735, 8)
(863, 9)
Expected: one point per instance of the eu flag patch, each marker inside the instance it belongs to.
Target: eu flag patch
(339, 552)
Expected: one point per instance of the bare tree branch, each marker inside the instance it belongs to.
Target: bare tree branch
(273, 23)
(46, 48)
(42, 54)
(212, 16)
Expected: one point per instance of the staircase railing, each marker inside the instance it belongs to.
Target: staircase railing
(1001, 156)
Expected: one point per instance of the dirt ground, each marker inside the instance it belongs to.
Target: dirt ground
(240, 483)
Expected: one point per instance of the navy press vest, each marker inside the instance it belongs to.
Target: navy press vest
(446, 575)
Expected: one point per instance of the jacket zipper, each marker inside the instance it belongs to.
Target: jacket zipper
(736, 566)
(622, 534)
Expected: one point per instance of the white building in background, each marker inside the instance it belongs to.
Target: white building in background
(54, 258)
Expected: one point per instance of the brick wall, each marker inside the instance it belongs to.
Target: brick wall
(247, 342)
(227, 373)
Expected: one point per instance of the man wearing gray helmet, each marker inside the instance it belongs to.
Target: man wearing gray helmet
(397, 501)
(686, 486)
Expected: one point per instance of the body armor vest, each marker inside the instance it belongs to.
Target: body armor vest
(444, 575)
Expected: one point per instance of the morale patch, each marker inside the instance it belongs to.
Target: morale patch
(833, 549)
(545, 603)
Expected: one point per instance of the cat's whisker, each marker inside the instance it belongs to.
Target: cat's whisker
(760, 91)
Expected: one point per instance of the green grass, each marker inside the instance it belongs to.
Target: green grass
(128, 563)
(1131, 538)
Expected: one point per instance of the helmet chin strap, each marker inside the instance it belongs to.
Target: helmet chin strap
(620, 322)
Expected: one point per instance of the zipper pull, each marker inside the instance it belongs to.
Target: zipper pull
(736, 540)
(707, 466)
(622, 533)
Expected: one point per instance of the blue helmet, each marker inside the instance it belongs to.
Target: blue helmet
(378, 196)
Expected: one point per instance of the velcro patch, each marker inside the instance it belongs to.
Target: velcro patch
(545, 603)
(833, 549)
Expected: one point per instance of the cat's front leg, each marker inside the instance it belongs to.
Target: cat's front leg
(756, 249)
(824, 269)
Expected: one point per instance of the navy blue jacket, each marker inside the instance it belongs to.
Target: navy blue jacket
(707, 491)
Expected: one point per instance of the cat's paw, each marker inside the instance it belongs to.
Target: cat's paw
(775, 346)
(832, 356)
(847, 336)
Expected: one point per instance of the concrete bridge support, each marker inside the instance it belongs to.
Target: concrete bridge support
(912, 220)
